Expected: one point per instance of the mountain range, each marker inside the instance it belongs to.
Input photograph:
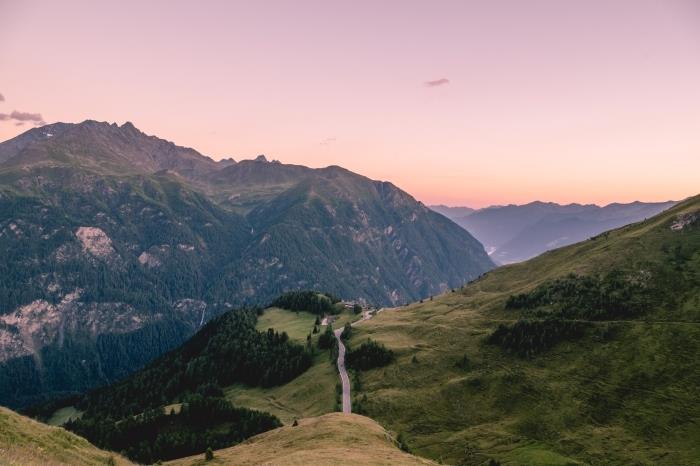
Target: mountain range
(537, 363)
(118, 245)
(514, 233)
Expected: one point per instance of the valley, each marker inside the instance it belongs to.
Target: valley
(514, 233)
(604, 372)
(331, 233)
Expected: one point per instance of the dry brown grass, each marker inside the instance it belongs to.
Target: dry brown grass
(26, 442)
(332, 439)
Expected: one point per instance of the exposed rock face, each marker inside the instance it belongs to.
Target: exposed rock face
(193, 311)
(149, 260)
(685, 220)
(95, 242)
(40, 323)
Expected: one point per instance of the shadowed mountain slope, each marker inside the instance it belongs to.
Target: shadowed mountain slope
(118, 245)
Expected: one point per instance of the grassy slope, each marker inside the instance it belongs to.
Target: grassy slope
(311, 394)
(333, 439)
(24, 441)
(631, 399)
(297, 324)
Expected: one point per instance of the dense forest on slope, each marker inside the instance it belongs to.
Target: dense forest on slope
(118, 243)
(228, 349)
(202, 422)
(130, 416)
(87, 305)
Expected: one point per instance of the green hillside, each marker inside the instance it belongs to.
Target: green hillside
(24, 441)
(609, 379)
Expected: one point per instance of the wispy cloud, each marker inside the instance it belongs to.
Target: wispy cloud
(2, 98)
(437, 82)
(327, 141)
(23, 117)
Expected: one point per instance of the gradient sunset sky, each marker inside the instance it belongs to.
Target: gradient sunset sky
(463, 103)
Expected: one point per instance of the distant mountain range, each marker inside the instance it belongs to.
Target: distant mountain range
(117, 246)
(515, 233)
(452, 212)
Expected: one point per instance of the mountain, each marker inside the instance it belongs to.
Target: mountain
(28, 442)
(583, 355)
(452, 212)
(117, 246)
(514, 233)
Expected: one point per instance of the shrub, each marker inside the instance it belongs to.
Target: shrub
(369, 355)
(347, 331)
(327, 339)
(610, 296)
(527, 338)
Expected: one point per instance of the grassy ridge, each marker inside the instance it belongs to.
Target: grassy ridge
(625, 393)
(24, 441)
(338, 439)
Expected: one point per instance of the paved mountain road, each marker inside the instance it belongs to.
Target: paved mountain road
(344, 379)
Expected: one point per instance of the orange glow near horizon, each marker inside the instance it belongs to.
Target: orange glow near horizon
(461, 103)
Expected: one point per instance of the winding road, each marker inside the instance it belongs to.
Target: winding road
(344, 379)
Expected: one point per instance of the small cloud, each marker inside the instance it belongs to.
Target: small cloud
(2, 98)
(327, 141)
(23, 117)
(437, 82)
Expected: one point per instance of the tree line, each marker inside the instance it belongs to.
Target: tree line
(309, 301)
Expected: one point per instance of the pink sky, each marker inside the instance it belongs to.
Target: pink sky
(588, 101)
